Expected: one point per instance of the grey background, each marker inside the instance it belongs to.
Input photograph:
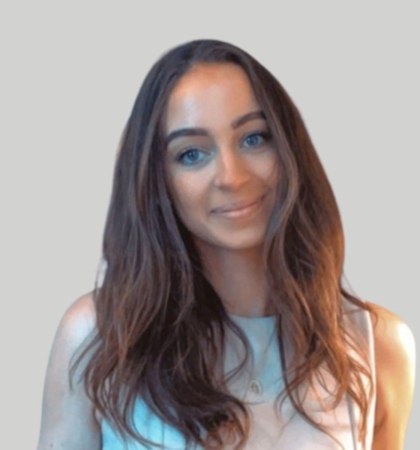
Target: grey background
(70, 73)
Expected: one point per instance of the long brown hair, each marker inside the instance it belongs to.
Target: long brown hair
(161, 325)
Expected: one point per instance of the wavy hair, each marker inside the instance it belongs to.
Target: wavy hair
(160, 328)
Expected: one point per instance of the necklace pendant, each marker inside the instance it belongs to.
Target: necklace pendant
(255, 387)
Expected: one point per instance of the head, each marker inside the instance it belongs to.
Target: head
(208, 85)
(220, 156)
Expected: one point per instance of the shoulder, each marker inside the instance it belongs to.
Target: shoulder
(68, 419)
(74, 330)
(395, 357)
(394, 340)
(78, 321)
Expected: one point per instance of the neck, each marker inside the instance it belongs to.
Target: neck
(238, 278)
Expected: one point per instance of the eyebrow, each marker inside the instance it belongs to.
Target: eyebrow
(204, 132)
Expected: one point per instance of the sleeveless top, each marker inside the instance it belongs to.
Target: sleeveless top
(271, 430)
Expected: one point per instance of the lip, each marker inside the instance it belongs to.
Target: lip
(238, 208)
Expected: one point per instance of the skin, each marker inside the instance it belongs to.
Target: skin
(212, 97)
(232, 161)
(68, 421)
(395, 362)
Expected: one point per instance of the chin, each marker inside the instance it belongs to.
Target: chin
(234, 242)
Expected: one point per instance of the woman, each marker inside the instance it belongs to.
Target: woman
(221, 321)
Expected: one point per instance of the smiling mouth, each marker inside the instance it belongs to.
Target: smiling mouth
(239, 211)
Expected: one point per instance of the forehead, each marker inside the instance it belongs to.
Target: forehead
(210, 95)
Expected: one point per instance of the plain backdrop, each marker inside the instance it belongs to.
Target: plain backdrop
(70, 73)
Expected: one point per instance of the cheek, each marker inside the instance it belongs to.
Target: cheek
(188, 194)
(267, 169)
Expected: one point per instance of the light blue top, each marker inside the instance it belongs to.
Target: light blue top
(285, 431)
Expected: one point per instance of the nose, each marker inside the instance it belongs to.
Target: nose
(232, 171)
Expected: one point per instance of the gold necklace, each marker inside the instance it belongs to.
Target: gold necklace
(254, 383)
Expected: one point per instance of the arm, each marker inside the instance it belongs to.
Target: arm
(68, 421)
(395, 371)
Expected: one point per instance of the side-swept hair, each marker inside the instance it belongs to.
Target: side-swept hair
(161, 325)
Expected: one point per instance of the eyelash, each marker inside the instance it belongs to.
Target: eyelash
(180, 158)
(265, 135)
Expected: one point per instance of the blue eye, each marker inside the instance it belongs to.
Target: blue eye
(256, 139)
(189, 157)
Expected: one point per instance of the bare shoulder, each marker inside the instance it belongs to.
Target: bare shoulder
(393, 337)
(68, 417)
(395, 359)
(78, 321)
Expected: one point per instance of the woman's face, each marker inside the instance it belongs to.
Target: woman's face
(220, 161)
